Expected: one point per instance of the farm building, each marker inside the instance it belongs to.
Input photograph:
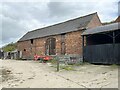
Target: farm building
(102, 44)
(59, 39)
(11, 54)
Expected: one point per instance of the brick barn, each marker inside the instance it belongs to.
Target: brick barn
(59, 39)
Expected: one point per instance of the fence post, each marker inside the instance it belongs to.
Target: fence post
(58, 64)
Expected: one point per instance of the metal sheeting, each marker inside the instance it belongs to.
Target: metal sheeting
(68, 26)
(101, 29)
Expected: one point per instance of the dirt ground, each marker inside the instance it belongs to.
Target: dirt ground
(32, 74)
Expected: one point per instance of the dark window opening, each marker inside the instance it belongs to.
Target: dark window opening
(31, 40)
(24, 49)
(63, 37)
(63, 33)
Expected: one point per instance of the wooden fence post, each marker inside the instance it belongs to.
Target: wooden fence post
(58, 64)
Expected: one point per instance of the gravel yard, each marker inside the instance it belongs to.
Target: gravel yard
(32, 74)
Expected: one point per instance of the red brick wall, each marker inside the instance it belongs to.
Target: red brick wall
(94, 22)
(38, 46)
(24, 45)
(74, 43)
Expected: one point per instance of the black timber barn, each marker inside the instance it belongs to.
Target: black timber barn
(101, 45)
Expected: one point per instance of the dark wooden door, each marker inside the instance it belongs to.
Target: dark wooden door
(103, 54)
(50, 46)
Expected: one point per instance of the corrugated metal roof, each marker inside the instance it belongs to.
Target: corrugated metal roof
(64, 27)
(100, 29)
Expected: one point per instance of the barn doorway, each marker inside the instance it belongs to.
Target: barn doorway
(50, 46)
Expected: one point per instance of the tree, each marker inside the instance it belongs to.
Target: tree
(9, 47)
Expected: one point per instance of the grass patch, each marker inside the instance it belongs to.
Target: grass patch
(78, 64)
(114, 66)
(53, 61)
(68, 68)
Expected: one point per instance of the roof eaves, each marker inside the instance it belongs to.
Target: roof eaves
(102, 27)
(79, 29)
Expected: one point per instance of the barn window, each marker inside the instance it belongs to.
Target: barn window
(63, 37)
(24, 49)
(31, 40)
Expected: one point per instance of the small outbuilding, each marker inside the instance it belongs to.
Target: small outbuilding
(101, 45)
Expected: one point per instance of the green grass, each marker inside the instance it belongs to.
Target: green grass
(64, 66)
(114, 66)
(53, 61)
(67, 68)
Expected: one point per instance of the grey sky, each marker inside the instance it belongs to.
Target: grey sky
(17, 18)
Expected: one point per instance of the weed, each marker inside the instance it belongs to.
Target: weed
(68, 68)
(53, 61)
(114, 66)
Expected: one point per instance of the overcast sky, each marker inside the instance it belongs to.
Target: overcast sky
(17, 18)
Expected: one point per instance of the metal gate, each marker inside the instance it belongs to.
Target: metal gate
(102, 54)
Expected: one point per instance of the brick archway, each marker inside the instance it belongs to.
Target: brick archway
(50, 46)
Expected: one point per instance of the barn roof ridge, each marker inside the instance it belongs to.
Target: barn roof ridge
(63, 22)
(59, 28)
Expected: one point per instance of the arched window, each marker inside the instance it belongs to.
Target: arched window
(50, 46)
